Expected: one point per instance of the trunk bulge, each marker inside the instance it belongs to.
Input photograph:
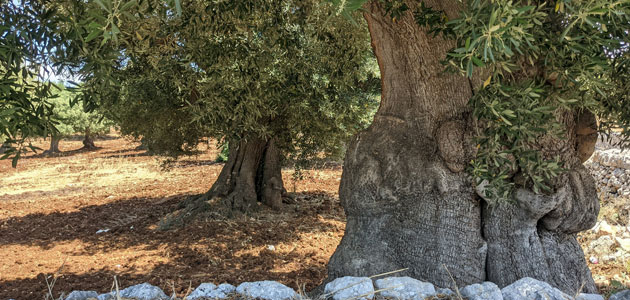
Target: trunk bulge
(409, 201)
(251, 174)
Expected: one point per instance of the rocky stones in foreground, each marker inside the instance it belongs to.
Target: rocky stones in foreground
(357, 288)
(483, 291)
(404, 288)
(142, 291)
(267, 290)
(209, 290)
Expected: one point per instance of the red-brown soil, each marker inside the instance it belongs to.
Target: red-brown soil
(52, 207)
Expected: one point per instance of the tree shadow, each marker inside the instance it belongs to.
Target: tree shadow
(185, 163)
(67, 153)
(207, 250)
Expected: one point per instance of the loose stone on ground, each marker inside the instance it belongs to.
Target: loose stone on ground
(350, 287)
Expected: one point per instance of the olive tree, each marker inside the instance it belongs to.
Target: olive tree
(473, 165)
(71, 118)
(276, 79)
(28, 37)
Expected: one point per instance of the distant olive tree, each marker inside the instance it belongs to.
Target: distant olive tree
(73, 119)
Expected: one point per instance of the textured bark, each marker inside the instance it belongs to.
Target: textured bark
(586, 130)
(252, 173)
(410, 204)
(88, 142)
(237, 187)
(536, 237)
(54, 145)
(270, 186)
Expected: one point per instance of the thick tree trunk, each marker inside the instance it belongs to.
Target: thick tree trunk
(54, 145)
(269, 185)
(88, 142)
(410, 204)
(252, 174)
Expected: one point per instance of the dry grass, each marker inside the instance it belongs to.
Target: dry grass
(52, 207)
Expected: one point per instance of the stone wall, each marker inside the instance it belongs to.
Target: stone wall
(610, 166)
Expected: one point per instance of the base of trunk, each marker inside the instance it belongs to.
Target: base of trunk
(54, 146)
(406, 210)
(251, 175)
(88, 144)
(419, 215)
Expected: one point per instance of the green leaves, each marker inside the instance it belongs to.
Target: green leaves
(489, 33)
(29, 42)
(514, 118)
(185, 71)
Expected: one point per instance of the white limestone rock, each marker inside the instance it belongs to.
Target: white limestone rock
(268, 290)
(404, 288)
(623, 295)
(202, 290)
(211, 291)
(349, 287)
(82, 295)
(530, 288)
(483, 291)
(143, 291)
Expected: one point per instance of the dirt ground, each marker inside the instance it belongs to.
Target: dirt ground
(52, 208)
(53, 211)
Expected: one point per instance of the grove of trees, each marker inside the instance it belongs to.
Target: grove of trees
(472, 168)
(72, 119)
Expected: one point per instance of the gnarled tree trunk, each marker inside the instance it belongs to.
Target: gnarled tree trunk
(88, 142)
(252, 174)
(408, 200)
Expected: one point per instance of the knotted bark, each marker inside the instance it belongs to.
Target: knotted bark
(409, 202)
(252, 174)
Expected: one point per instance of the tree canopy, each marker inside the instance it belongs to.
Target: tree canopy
(72, 119)
(28, 37)
(229, 71)
(529, 60)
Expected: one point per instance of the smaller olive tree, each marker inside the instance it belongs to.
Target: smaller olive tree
(72, 118)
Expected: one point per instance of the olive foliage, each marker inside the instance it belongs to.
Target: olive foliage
(532, 60)
(28, 40)
(228, 70)
(72, 119)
